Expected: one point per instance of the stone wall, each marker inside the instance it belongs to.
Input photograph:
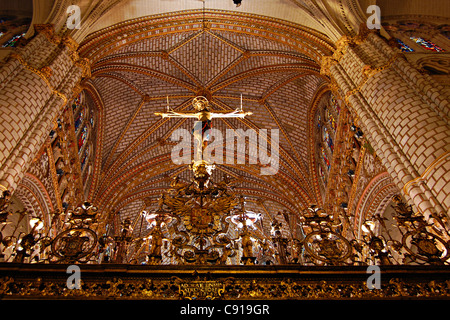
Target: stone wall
(35, 83)
(403, 114)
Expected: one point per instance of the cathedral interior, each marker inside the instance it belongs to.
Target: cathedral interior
(336, 159)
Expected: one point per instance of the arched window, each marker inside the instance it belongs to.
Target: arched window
(11, 43)
(331, 120)
(325, 158)
(85, 157)
(327, 139)
(403, 46)
(79, 120)
(335, 104)
(82, 138)
(427, 44)
(326, 126)
(76, 103)
(84, 118)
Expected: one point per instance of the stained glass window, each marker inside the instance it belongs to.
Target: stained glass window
(327, 139)
(12, 42)
(331, 119)
(318, 122)
(427, 44)
(404, 47)
(335, 104)
(76, 103)
(79, 120)
(82, 138)
(325, 158)
(85, 157)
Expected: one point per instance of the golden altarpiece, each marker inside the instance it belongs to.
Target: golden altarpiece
(91, 181)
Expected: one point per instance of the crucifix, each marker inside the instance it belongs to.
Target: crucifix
(203, 114)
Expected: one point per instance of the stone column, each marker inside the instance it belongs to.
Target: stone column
(403, 113)
(35, 83)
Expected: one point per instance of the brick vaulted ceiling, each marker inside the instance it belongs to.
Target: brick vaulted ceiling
(136, 64)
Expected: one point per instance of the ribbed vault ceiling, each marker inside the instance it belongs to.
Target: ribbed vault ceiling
(137, 65)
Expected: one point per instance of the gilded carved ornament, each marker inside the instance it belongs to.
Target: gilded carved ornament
(45, 72)
(230, 288)
(341, 49)
(342, 46)
(48, 31)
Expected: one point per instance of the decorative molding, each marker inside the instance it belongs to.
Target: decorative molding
(303, 39)
(234, 283)
(48, 30)
(423, 177)
(379, 188)
(342, 46)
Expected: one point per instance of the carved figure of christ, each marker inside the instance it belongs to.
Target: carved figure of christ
(204, 115)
